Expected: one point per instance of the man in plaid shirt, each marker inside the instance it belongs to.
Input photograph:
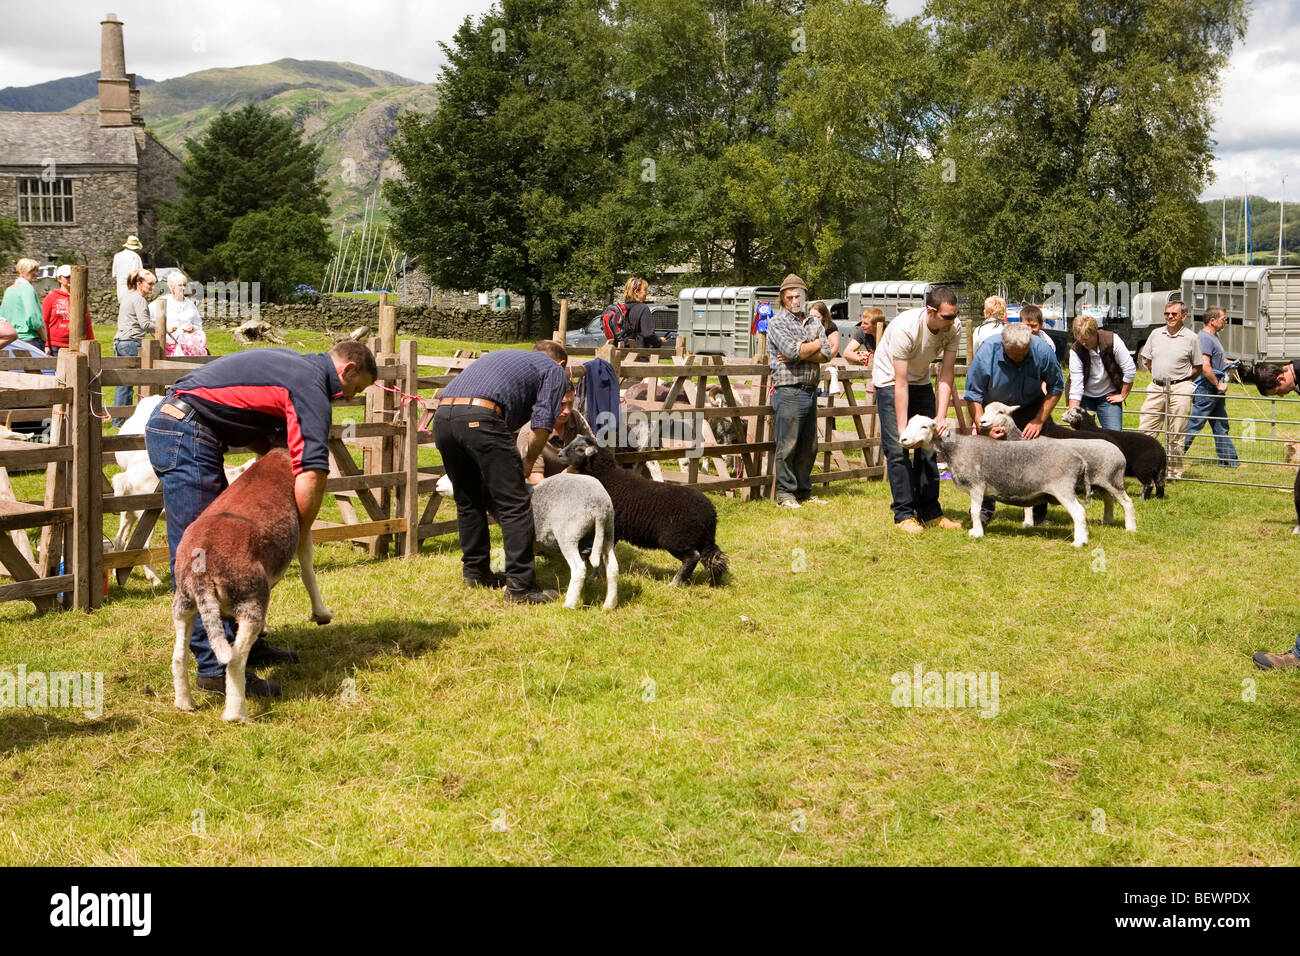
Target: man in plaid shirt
(796, 349)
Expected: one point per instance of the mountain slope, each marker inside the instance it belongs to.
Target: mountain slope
(349, 111)
(56, 95)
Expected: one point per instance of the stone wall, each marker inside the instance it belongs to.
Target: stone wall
(105, 210)
(329, 314)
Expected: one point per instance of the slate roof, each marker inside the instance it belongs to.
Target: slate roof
(71, 139)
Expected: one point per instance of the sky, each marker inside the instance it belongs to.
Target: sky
(1257, 123)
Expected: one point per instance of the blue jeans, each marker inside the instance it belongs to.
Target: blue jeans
(795, 432)
(913, 477)
(1210, 406)
(190, 460)
(124, 394)
(1109, 415)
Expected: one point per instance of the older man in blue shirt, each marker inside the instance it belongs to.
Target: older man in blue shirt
(1017, 369)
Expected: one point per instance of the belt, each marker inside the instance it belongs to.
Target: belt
(798, 385)
(177, 408)
(1179, 381)
(480, 402)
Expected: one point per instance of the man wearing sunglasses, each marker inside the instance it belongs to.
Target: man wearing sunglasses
(1173, 356)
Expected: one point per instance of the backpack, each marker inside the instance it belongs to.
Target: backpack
(614, 322)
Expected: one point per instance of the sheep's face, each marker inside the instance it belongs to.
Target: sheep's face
(919, 433)
(1071, 417)
(997, 414)
(576, 452)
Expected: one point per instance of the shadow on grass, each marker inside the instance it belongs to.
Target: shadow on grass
(20, 730)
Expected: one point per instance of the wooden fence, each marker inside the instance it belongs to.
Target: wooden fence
(380, 498)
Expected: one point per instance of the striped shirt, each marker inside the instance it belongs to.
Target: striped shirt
(528, 385)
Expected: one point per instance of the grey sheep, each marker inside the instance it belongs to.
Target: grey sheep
(1021, 473)
(1106, 463)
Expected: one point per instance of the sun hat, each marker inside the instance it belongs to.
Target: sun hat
(133, 243)
(64, 270)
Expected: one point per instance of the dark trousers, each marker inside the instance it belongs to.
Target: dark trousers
(794, 413)
(190, 461)
(1022, 416)
(483, 462)
(913, 476)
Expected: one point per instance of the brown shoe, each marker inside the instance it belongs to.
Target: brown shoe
(910, 525)
(1267, 662)
(943, 524)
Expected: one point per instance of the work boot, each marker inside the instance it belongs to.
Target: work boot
(494, 581)
(910, 526)
(530, 597)
(943, 524)
(254, 686)
(1267, 662)
(262, 654)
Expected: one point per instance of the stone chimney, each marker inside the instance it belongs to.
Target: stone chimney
(117, 105)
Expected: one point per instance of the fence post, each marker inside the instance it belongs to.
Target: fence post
(410, 502)
(86, 485)
(77, 307)
(387, 327)
(148, 355)
(93, 508)
(561, 334)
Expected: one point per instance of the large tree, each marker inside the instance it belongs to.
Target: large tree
(1077, 139)
(248, 161)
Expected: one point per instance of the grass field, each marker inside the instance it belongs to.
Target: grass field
(751, 724)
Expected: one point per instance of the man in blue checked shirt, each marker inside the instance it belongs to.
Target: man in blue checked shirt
(796, 349)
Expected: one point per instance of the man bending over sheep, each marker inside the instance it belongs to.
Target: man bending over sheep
(901, 378)
(478, 414)
(1016, 368)
(252, 399)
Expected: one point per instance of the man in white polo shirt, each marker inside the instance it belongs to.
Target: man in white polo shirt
(1173, 354)
(901, 378)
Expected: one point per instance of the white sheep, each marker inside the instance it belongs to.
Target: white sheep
(1021, 473)
(1106, 463)
(571, 512)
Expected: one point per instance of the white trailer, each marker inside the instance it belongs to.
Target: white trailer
(719, 319)
(1262, 303)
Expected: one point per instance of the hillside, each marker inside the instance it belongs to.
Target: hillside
(56, 95)
(1264, 220)
(349, 111)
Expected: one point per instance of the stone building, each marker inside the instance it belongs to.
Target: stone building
(80, 183)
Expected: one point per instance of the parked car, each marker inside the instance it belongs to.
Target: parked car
(592, 336)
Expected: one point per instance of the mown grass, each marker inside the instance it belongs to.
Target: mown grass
(751, 724)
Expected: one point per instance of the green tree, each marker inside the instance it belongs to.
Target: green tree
(1074, 138)
(280, 248)
(246, 161)
(11, 237)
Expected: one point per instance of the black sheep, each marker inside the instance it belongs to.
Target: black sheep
(674, 518)
(1144, 457)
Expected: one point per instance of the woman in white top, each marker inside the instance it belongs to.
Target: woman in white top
(995, 317)
(1101, 372)
(184, 321)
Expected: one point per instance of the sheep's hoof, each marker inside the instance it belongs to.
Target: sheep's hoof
(1079, 544)
(976, 532)
(323, 619)
(186, 705)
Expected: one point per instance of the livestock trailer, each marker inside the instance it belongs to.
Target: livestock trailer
(720, 319)
(1146, 313)
(1262, 303)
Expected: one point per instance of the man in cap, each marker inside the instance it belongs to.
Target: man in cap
(126, 262)
(796, 349)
